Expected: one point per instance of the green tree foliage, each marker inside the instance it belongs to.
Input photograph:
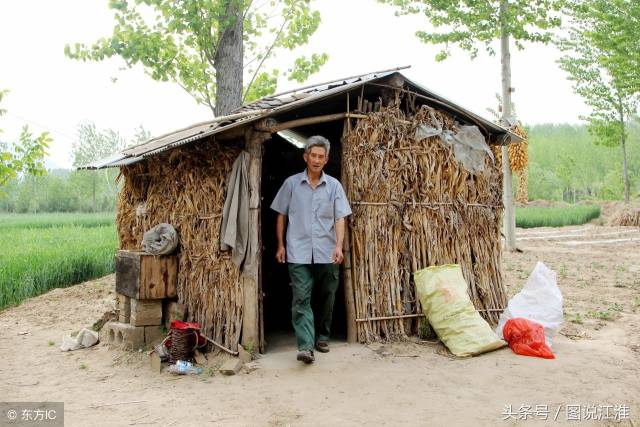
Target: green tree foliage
(93, 144)
(24, 156)
(140, 135)
(472, 25)
(63, 190)
(566, 164)
(614, 29)
(597, 68)
(181, 42)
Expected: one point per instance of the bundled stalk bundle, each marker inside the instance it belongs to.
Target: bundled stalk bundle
(518, 160)
(518, 155)
(518, 151)
(627, 217)
(414, 206)
(186, 188)
(522, 196)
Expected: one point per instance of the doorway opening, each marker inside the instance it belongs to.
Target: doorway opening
(282, 158)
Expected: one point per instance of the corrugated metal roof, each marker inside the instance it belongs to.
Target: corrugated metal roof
(266, 107)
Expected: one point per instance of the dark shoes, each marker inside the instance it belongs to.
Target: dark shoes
(322, 346)
(306, 356)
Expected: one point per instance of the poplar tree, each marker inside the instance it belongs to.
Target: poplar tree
(473, 25)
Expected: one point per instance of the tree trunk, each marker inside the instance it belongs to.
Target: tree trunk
(625, 170)
(229, 60)
(509, 220)
(93, 174)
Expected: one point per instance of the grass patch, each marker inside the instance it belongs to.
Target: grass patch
(608, 314)
(531, 217)
(50, 220)
(35, 260)
(601, 314)
(577, 319)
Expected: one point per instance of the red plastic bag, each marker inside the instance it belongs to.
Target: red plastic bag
(526, 337)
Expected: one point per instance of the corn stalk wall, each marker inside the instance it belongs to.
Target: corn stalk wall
(186, 188)
(415, 206)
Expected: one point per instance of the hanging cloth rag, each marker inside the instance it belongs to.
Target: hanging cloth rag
(234, 229)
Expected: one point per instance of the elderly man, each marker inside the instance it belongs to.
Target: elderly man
(315, 205)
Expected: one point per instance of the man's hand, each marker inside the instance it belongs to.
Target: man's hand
(281, 255)
(337, 255)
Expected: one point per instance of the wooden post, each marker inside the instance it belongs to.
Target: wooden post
(250, 279)
(349, 300)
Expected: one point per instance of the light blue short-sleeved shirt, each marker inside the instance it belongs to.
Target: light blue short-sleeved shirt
(311, 214)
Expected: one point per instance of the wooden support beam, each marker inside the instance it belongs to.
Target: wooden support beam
(251, 278)
(272, 126)
(231, 134)
(349, 298)
(400, 316)
(409, 316)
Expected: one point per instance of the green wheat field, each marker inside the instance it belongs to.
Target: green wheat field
(42, 252)
(531, 217)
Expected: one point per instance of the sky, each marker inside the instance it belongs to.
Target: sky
(50, 92)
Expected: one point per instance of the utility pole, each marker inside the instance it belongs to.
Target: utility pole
(509, 219)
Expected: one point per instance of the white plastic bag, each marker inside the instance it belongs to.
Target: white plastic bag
(540, 300)
(85, 339)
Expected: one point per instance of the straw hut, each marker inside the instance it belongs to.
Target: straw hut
(414, 204)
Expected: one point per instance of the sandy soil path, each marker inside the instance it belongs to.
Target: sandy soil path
(597, 365)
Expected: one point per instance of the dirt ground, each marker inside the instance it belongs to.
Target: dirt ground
(597, 366)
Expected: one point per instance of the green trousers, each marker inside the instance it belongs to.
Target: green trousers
(321, 281)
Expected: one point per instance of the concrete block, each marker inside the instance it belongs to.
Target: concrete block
(146, 312)
(153, 335)
(155, 362)
(123, 335)
(123, 308)
(244, 355)
(172, 311)
(231, 366)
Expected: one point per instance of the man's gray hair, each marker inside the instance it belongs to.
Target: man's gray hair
(317, 141)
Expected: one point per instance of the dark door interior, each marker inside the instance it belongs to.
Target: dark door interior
(282, 159)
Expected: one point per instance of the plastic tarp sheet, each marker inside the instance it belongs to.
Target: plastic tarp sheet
(442, 291)
(469, 146)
